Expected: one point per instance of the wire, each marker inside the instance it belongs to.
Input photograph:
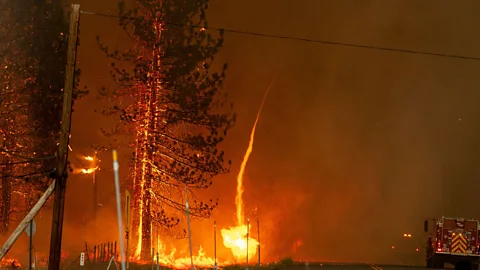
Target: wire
(28, 174)
(28, 159)
(18, 162)
(319, 41)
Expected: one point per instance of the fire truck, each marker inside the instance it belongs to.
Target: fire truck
(452, 241)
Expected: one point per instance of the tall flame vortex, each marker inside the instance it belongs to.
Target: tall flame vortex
(240, 189)
(235, 238)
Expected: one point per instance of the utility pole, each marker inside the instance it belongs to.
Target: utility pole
(119, 208)
(248, 235)
(187, 207)
(95, 191)
(215, 245)
(127, 226)
(153, 258)
(61, 179)
(30, 248)
(258, 236)
(14, 236)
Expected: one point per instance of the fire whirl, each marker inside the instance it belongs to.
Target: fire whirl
(235, 238)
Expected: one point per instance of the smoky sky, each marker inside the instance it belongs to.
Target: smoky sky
(354, 147)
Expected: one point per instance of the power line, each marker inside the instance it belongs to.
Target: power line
(28, 159)
(29, 174)
(319, 41)
(20, 162)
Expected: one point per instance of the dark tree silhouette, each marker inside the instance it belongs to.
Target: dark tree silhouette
(33, 51)
(174, 106)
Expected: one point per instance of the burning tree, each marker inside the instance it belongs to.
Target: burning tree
(12, 132)
(173, 104)
(47, 29)
(33, 49)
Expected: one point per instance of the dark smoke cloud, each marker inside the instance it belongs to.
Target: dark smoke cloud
(354, 148)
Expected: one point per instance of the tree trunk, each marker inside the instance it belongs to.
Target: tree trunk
(149, 149)
(151, 152)
(6, 193)
(141, 215)
(147, 221)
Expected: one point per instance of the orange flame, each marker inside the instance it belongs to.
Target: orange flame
(201, 260)
(170, 260)
(235, 238)
(10, 263)
(89, 171)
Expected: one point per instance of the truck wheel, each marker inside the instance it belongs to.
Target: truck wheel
(429, 263)
(464, 265)
(438, 264)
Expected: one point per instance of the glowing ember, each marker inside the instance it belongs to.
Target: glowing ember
(89, 158)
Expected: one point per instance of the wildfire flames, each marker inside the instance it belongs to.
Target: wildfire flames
(10, 264)
(91, 170)
(148, 108)
(170, 259)
(236, 238)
